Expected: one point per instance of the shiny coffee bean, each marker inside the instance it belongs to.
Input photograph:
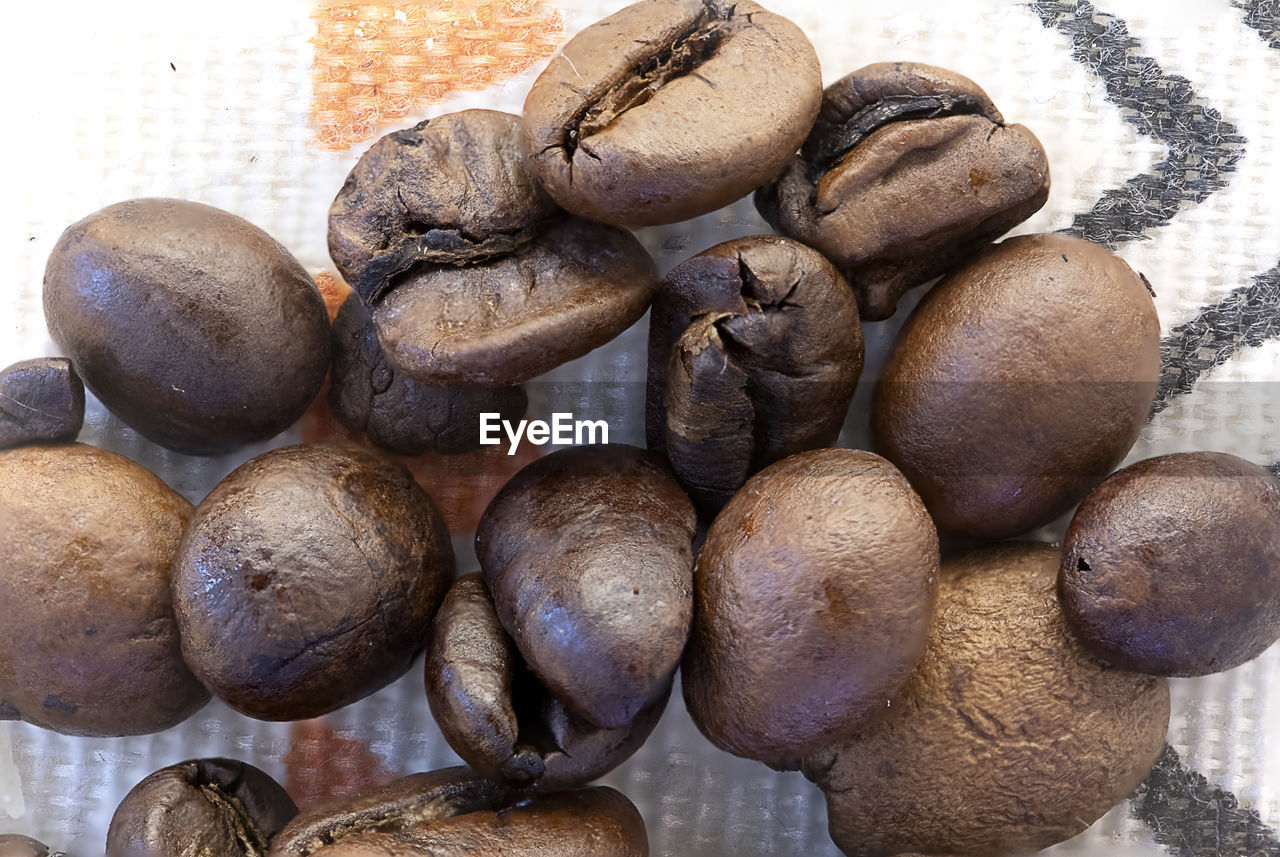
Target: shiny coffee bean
(40, 400)
(394, 411)
(1172, 566)
(191, 324)
(16, 845)
(754, 351)
(909, 171)
(588, 553)
(472, 274)
(669, 109)
(89, 644)
(308, 578)
(205, 807)
(498, 717)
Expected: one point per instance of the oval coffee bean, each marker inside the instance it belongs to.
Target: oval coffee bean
(89, 645)
(669, 109)
(909, 171)
(191, 324)
(16, 845)
(754, 351)
(588, 553)
(1009, 737)
(1019, 383)
(308, 578)
(472, 275)
(209, 807)
(40, 400)
(814, 592)
(1172, 566)
(498, 717)
(394, 411)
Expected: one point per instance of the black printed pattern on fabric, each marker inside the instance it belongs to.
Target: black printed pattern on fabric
(1263, 16)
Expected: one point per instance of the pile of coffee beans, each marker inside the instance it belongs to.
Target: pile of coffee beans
(988, 699)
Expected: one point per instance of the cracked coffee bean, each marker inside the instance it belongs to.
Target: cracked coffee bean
(669, 109)
(192, 325)
(1172, 565)
(499, 718)
(205, 807)
(454, 812)
(308, 578)
(909, 171)
(394, 411)
(40, 400)
(755, 349)
(472, 274)
(89, 645)
(814, 589)
(1008, 738)
(588, 554)
(1019, 382)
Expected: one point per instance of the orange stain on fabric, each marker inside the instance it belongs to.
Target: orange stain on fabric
(376, 63)
(323, 765)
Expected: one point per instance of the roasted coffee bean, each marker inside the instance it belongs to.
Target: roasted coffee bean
(453, 812)
(1172, 565)
(814, 591)
(206, 807)
(189, 323)
(16, 845)
(909, 170)
(498, 717)
(308, 578)
(40, 400)
(669, 109)
(396, 412)
(472, 274)
(1019, 383)
(1009, 737)
(588, 553)
(89, 645)
(754, 351)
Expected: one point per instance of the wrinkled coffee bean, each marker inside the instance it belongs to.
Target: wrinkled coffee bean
(1008, 737)
(205, 807)
(1019, 382)
(473, 275)
(498, 717)
(669, 109)
(16, 845)
(308, 578)
(191, 324)
(454, 812)
(588, 554)
(89, 645)
(754, 351)
(814, 590)
(909, 171)
(1172, 566)
(40, 400)
(394, 411)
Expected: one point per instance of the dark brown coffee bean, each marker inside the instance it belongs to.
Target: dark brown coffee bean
(588, 553)
(16, 845)
(191, 324)
(1172, 566)
(453, 812)
(754, 352)
(669, 109)
(909, 171)
(473, 275)
(89, 645)
(1019, 383)
(814, 592)
(498, 717)
(40, 400)
(308, 578)
(394, 411)
(1009, 737)
(206, 807)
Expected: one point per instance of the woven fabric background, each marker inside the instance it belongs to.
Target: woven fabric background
(1157, 121)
